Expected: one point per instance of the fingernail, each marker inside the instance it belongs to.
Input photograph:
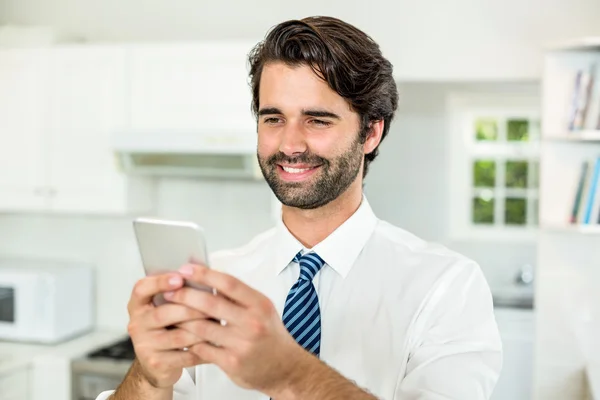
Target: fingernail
(175, 280)
(186, 270)
(169, 295)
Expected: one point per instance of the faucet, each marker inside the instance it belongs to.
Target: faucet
(525, 275)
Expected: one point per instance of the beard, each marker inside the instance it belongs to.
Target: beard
(332, 179)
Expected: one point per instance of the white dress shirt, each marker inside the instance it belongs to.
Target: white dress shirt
(402, 318)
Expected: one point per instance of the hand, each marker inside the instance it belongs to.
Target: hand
(253, 347)
(158, 349)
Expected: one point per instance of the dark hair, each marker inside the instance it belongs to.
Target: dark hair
(343, 56)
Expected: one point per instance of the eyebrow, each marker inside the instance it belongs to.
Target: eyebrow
(269, 111)
(310, 112)
(320, 113)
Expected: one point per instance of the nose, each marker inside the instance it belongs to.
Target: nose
(292, 140)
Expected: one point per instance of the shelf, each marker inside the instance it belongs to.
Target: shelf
(578, 44)
(583, 136)
(593, 229)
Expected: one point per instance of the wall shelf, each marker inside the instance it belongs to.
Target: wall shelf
(585, 135)
(566, 267)
(593, 229)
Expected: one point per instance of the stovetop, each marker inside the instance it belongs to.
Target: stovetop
(121, 350)
(101, 369)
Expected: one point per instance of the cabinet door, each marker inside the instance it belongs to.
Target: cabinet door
(14, 385)
(88, 108)
(23, 124)
(192, 88)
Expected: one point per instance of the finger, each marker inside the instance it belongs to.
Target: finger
(210, 354)
(146, 288)
(167, 315)
(169, 360)
(223, 283)
(209, 331)
(215, 306)
(174, 339)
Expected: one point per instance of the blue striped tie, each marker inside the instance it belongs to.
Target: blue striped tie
(301, 315)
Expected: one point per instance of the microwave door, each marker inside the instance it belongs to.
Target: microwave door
(7, 304)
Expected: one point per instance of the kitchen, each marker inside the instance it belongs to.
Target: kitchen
(86, 149)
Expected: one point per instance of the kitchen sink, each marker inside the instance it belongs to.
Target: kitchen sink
(514, 296)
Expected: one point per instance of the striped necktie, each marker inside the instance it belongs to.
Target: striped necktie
(301, 314)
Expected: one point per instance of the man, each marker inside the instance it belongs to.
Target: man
(332, 303)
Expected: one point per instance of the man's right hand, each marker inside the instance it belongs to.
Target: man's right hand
(159, 351)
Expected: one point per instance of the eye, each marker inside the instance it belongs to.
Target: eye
(272, 120)
(320, 122)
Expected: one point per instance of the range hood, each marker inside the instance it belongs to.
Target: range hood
(191, 154)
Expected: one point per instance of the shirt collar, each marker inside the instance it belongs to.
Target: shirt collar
(339, 250)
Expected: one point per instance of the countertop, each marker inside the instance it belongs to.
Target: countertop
(15, 355)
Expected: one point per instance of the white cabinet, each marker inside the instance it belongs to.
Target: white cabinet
(89, 106)
(59, 109)
(14, 385)
(516, 328)
(189, 88)
(23, 125)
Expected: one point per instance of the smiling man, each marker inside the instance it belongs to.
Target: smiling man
(332, 303)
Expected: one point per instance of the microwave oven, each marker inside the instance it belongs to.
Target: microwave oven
(45, 301)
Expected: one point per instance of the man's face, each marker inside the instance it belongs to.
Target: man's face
(308, 137)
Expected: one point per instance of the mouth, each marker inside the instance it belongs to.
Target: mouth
(297, 172)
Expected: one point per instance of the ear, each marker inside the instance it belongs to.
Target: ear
(374, 136)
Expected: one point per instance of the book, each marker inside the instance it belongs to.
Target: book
(585, 101)
(574, 100)
(579, 193)
(598, 218)
(592, 118)
(592, 195)
(595, 213)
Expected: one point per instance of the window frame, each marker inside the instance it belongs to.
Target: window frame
(462, 109)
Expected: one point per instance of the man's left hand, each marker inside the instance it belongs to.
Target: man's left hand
(252, 346)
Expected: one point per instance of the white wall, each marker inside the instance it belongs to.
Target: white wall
(230, 212)
(407, 185)
(428, 39)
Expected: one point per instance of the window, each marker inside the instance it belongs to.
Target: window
(494, 166)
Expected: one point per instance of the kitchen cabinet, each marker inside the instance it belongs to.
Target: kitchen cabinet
(192, 88)
(14, 385)
(89, 106)
(23, 125)
(59, 108)
(516, 327)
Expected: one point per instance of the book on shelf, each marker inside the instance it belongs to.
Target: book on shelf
(586, 203)
(584, 106)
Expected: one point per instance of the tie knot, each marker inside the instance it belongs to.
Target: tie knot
(310, 264)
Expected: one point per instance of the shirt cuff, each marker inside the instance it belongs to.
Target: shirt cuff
(105, 395)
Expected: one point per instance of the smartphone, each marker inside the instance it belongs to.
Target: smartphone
(166, 245)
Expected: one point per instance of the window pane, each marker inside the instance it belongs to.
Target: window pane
(517, 130)
(534, 172)
(486, 129)
(483, 211)
(484, 173)
(515, 211)
(516, 174)
(533, 212)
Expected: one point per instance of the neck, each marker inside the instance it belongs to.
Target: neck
(311, 227)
